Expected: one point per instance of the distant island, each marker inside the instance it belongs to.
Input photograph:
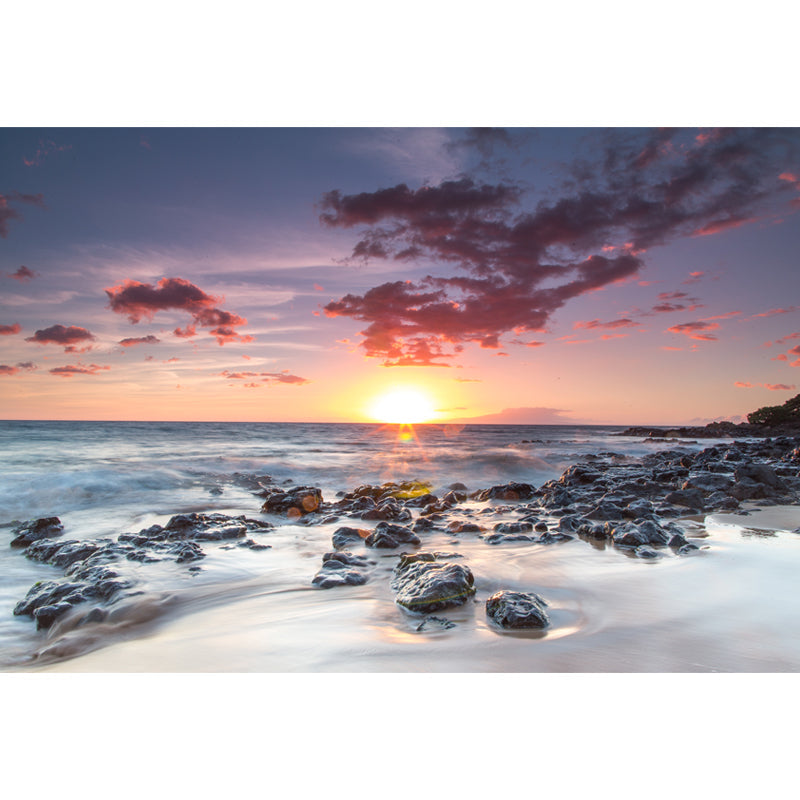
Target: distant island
(767, 421)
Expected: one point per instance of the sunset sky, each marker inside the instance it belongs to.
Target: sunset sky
(622, 276)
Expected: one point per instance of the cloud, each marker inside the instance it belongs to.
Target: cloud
(8, 212)
(23, 274)
(71, 370)
(484, 140)
(68, 337)
(773, 387)
(696, 330)
(133, 341)
(525, 415)
(773, 311)
(46, 148)
(22, 366)
(515, 267)
(10, 330)
(140, 301)
(611, 325)
(265, 377)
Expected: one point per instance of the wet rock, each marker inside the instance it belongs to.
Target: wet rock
(507, 491)
(708, 482)
(517, 610)
(295, 502)
(462, 526)
(689, 498)
(62, 554)
(36, 529)
(645, 551)
(632, 535)
(758, 473)
(387, 535)
(341, 569)
(435, 623)
(513, 527)
(452, 498)
(424, 586)
(553, 537)
(344, 537)
(506, 538)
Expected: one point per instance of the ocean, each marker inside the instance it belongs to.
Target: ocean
(257, 611)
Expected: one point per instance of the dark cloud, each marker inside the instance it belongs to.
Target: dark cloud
(8, 212)
(10, 330)
(133, 341)
(484, 140)
(22, 366)
(71, 370)
(143, 300)
(68, 337)
(515, 271)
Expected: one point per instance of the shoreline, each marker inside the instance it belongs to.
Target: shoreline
(645, 508)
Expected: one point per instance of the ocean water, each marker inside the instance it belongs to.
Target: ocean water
(731, 608)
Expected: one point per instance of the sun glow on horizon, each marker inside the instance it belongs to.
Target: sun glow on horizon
(402, 407)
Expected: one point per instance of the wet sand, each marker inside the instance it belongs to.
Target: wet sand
(730, 607)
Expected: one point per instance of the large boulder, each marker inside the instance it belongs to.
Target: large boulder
(341, 569)
(513, 610)
(386, 535)
(424, 586)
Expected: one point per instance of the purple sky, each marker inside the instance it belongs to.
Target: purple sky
(596, 275)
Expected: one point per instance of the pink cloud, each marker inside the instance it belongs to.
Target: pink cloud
(132, 342)
(71, 370)
(773, 311)
(696, 330)
(265, 377)
(694, 277)
(67, 337)
(611, 325)
(10, 330)
(140, 301)
(720, 225)
(22, 366)
(724, 316)
(779, 387)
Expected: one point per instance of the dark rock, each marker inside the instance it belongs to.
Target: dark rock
(506, 538)
(344, 537)
(758, 473)
(388, 536)
(296, 502)
(553, 537)
(35, 529)
(440, 623)
(461, 526)
(513, 610)
(633, 535)
(513, 527)
(341, 569)
(645, 551)
(507, 491)
(689, 498)
(427, 586)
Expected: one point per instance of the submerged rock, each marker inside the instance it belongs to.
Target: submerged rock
(426, 585)
(35, 529)
(512, 610)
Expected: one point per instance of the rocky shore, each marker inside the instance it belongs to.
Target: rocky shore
(644, 508)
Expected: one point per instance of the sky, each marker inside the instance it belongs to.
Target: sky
(523, 275)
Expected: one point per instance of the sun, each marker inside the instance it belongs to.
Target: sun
(402, 407)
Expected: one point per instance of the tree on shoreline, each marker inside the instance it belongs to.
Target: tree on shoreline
(777, 415)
